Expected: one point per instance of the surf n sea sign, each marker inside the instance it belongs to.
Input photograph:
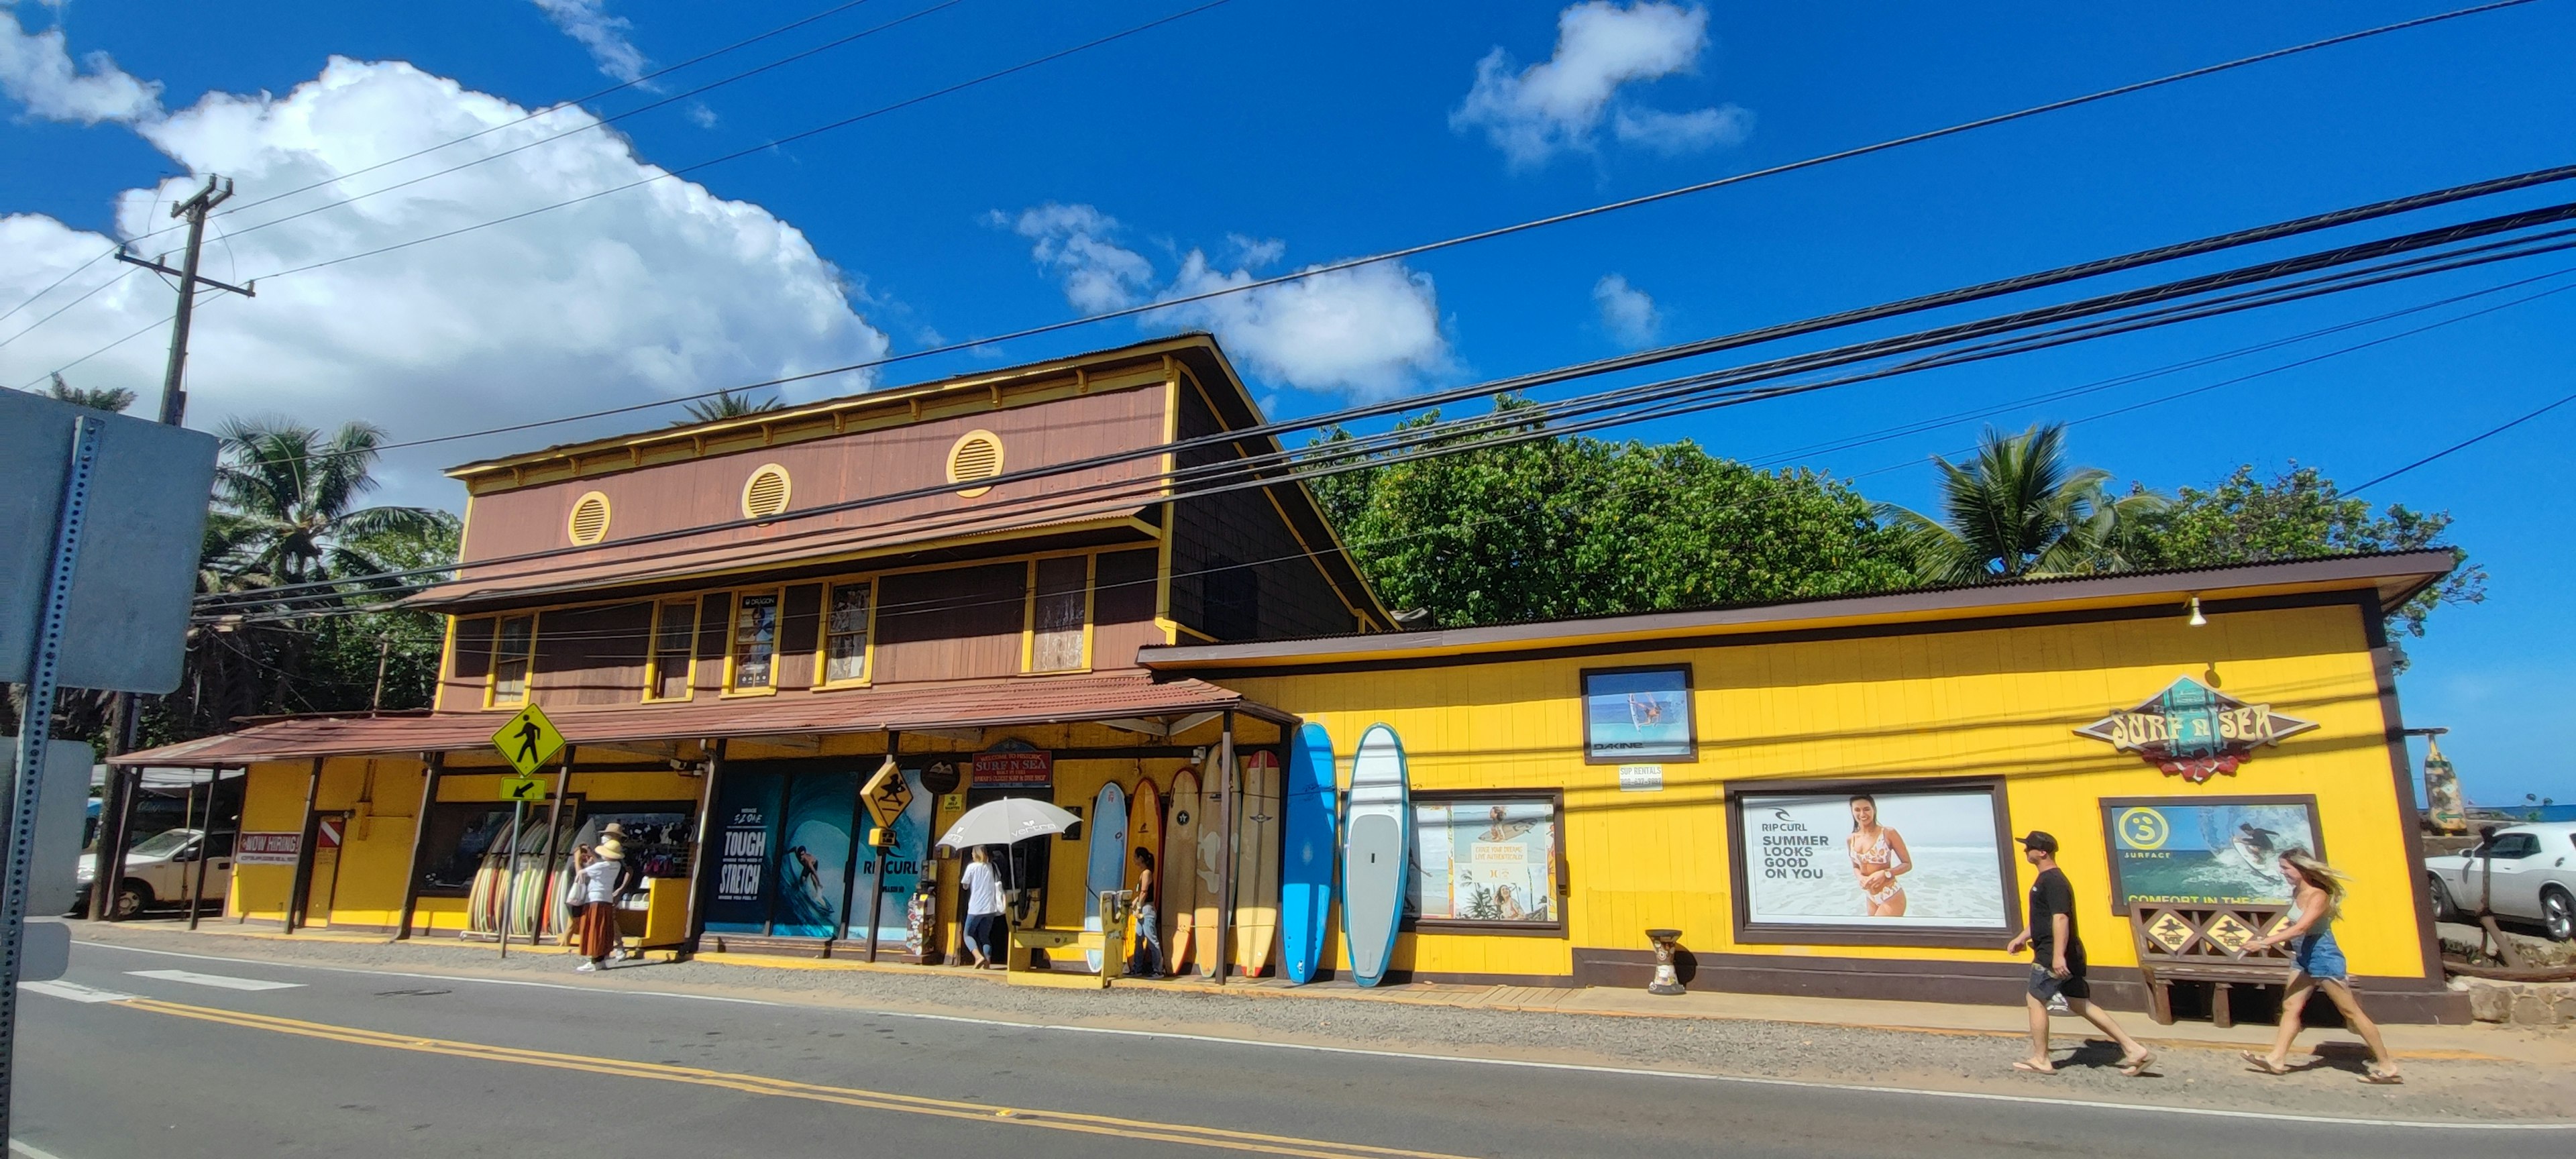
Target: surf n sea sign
(2193, 731)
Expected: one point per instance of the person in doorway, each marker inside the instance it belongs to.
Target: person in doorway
(630, 881)
(2057, 963)
(595, 927)
(1878, 857)
(2317, 963)
(1148, 959)
(983, 889)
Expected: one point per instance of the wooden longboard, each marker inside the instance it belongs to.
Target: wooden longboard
(1211, 882)
(1306, 864)
(1144, 831)
(1180, 872)
(1256, 865)
(1377, 838)
(1107, 866)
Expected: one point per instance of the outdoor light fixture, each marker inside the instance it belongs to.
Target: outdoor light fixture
(2197, 620)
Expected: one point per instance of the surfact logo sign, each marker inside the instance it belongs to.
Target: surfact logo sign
(2193, 731)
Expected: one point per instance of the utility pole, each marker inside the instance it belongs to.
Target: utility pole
(116, 805)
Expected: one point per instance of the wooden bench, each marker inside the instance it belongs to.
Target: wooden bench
(2205, 943)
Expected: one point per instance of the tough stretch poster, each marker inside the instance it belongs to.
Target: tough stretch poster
(746, 825)
(1889, 858)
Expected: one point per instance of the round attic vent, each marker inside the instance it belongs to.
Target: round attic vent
(765, 493)
(977, 456)
(588, 523)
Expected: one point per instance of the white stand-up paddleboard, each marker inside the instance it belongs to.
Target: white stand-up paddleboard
(1377, 840)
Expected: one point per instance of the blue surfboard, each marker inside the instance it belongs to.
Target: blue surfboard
(1107, 867)
(1377, 847)
(1306, 869)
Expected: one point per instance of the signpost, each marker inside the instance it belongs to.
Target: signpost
(527, 740)
(886, 796)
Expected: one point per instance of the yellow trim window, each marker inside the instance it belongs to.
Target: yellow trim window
(754, 654)
(675, 639)
(1060, 614)
(514, 651)
(846, 619)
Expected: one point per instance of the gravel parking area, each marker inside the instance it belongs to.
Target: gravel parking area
(2436, 1088)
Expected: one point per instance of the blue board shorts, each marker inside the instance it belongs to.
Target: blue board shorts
(2318, 957)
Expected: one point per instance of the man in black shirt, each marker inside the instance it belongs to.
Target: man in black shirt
(2057, 962)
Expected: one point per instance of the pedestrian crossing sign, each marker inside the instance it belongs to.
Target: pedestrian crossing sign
(528, 741)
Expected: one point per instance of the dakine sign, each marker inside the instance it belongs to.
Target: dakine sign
(2193, 731)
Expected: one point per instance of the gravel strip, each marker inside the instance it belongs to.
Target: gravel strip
(1961, 1061)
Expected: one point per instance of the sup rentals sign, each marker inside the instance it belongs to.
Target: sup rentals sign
(2193, 731)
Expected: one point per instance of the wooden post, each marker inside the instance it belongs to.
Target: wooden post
(698, 879)
(432, 764)
(554, 827)
(302, 884)
(206, 842)
(1227, 799)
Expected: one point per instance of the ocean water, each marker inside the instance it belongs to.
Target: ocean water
(1949, 886)
(2185, 875)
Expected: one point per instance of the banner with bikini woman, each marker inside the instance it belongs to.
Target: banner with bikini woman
(1872, 856)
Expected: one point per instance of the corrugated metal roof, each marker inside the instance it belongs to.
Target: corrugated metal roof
(961, 704)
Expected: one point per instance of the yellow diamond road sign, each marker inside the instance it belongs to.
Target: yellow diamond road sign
(886, 794)
(528, 741)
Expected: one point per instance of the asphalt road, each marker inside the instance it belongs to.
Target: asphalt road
(271, 1059)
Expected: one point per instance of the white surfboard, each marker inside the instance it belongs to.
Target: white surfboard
(1377, 841)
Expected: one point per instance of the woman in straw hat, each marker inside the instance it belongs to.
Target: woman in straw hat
(595, 929)
(2317, 962)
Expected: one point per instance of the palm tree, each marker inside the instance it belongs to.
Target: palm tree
(286, 505)
(2018, 511)
(728, 405)
(112, 399)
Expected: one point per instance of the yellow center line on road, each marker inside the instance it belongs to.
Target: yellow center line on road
(1181, 1133)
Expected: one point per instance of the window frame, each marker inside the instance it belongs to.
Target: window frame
(1739, 887)
(1029, 613)
(1690, 715)
(1561, 927)
(823, 638)
(733, 640)
(653, 651)
(527, 676)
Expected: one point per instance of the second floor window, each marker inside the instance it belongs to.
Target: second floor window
(845, 633)
(755, 641)
(1058, 613)
(514, 644)
(675, 637)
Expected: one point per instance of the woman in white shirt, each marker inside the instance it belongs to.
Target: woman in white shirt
(983, 889)
(594, 900)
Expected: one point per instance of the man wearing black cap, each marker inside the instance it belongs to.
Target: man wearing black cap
(2057, 963)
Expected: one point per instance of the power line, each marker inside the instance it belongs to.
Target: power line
(1393, 255)
(51, 286)
(2464, 444)
(58, 310)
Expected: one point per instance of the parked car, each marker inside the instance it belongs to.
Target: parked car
(161, 869)
(2529, 869)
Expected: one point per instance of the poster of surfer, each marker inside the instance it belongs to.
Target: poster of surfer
(1637, 714)
(1875, 856)
(2203, 852)
(1484, 861)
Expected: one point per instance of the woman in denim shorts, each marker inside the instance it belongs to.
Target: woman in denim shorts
(2316, 961)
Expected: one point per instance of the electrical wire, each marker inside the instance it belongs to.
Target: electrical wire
(51, 286)
(2464, 444)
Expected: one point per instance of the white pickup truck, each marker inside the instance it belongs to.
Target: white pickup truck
(160, 869)
(2524, 871)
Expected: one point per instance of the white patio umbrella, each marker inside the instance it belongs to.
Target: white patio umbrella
(1007, 820)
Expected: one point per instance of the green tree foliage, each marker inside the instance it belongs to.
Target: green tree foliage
(727, 405)
(2299, 514)
(112, 399)
(1559, 526)
(2019, 511)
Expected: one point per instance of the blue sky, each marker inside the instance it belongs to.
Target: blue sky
(1264, 135)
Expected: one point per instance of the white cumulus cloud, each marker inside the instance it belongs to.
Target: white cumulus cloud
(653, 292)
(1370, 331)
(1627, 312)
(36, 70)
(604, 35)
(1558, 105)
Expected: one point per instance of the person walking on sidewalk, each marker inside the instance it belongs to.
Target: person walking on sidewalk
(1147, 961)
(983, 890)
(2317, 962)
(595, 929)
(2057, 963)
(630, 881)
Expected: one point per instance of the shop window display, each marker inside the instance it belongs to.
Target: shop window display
(1486, 862)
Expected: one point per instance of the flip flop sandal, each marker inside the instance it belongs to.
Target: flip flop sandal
(2262, 1063)
(2381, 1078)
(2133, 1067)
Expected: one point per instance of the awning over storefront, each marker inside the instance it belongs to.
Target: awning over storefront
(1130, 699)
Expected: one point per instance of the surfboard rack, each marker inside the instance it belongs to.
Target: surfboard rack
(1115, 905)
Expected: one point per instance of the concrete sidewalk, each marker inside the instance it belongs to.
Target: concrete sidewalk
(2472, 1042)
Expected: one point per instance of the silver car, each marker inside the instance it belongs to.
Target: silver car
(2525, 871)
(161, 869)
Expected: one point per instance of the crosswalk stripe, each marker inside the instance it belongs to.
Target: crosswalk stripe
(220, 981)
(73, 992)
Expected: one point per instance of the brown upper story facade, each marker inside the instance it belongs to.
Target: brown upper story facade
(1019, 523)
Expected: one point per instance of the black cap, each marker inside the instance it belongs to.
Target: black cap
(2039, 840)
